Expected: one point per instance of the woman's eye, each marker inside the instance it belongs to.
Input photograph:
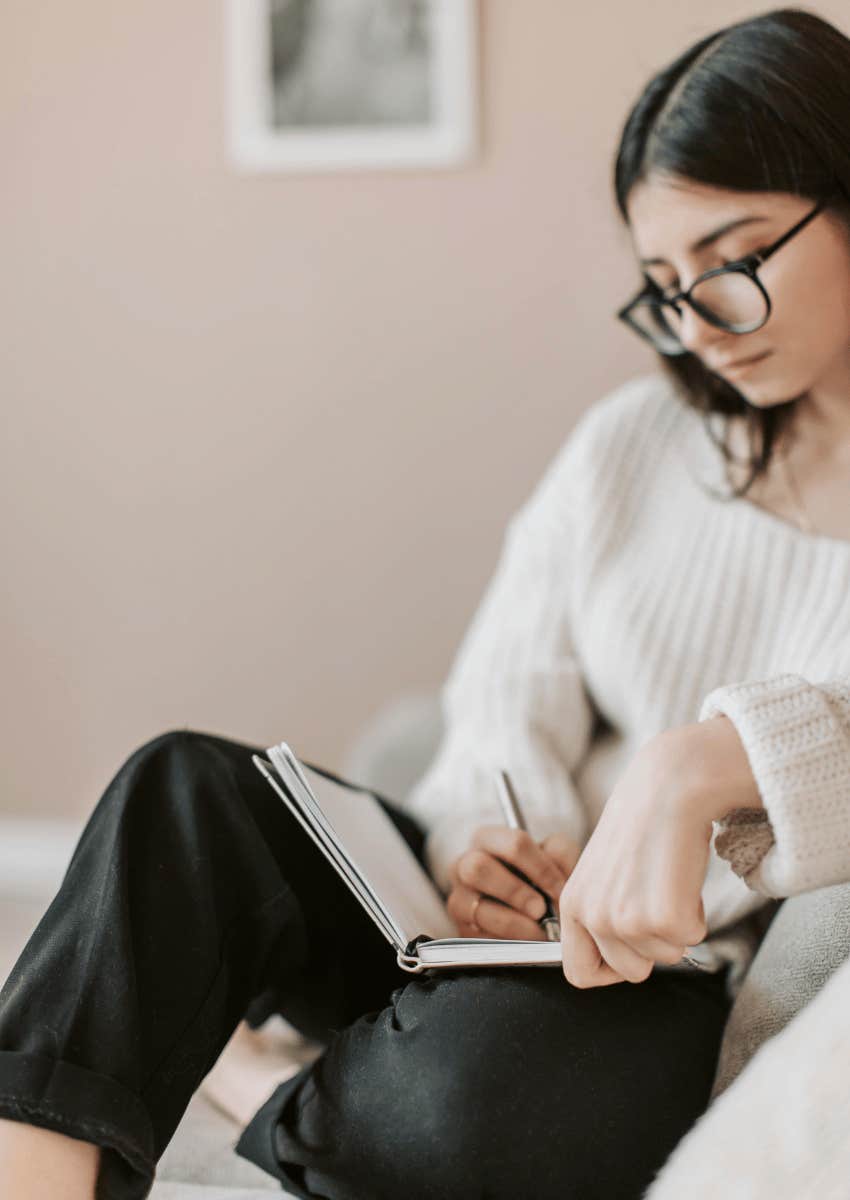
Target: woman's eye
(668, 291)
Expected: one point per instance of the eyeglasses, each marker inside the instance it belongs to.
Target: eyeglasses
(732, 297)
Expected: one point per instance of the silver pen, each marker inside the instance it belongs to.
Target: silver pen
(514, 820)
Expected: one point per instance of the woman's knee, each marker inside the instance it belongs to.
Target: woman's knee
(177, 773)
(174, 746)
(432, 1088)
(173, 803)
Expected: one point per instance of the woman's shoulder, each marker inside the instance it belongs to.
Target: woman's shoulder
(644, 403)
(618, 442)
(632, 423)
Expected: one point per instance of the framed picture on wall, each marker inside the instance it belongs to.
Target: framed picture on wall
(322, 85)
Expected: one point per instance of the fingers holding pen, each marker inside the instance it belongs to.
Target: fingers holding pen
(565, 850)
(506, 884)
(482, 871)
(492, 918)
(518, 849)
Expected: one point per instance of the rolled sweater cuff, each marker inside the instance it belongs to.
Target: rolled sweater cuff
(797, 739)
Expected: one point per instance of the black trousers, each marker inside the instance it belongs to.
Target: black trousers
(194, 899)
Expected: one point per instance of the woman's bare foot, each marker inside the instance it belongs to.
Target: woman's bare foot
(252, 1065)
(40, 1164)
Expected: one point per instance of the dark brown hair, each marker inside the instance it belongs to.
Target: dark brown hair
(761, 105)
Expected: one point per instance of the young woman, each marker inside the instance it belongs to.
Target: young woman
(665, 644)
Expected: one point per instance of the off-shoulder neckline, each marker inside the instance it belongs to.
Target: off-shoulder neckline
(780, 524)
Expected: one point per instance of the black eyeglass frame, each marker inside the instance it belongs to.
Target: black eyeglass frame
(749, 265)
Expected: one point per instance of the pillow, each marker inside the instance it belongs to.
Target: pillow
(807, 939)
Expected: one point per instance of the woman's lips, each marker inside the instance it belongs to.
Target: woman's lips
(742, 367)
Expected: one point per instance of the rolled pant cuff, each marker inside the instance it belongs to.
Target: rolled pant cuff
(259, 1142)
(83, 1104)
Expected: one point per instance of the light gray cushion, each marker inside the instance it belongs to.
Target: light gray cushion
(807, 940)
(394, 749)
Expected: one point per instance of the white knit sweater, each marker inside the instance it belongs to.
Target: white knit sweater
(628, 599)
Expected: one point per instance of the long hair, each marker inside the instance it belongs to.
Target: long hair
(763, 106)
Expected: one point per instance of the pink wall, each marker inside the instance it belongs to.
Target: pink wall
(263, 434)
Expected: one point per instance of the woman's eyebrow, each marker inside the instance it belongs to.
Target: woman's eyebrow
(707, 240)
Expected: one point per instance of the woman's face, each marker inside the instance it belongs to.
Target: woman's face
(806, 339)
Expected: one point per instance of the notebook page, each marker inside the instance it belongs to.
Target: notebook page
(298, 796)
(319, 834)
(383, 857)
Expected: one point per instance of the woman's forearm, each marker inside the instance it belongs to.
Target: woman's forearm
(712, 766)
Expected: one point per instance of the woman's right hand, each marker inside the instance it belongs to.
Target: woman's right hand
(508, 907)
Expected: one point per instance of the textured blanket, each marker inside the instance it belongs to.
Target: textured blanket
(777, 1127)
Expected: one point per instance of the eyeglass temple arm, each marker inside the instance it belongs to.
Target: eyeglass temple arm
(794, 229)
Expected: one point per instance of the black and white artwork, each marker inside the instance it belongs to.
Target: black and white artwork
(332, 84)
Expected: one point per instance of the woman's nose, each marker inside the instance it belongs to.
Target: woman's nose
(696, 334)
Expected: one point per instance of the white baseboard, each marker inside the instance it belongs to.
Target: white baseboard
(34, 855)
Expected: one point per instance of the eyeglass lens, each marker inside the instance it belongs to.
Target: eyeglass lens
(732, 297)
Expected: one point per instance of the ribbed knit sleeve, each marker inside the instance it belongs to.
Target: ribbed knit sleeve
(797, 738)
(514, 697)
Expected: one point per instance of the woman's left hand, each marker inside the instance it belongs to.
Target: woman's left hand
(634, 897)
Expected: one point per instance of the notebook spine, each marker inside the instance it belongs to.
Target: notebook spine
(408, 959)
(409, 963)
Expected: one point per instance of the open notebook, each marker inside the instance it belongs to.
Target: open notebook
(351, 828)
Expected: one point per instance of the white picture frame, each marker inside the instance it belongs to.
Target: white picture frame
(442, 134)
